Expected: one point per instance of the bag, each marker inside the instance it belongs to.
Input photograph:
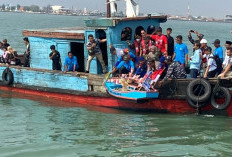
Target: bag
(218, 63)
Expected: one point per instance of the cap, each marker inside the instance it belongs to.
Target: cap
(228, 42)
(162, 59)
(203, 41)
(126, 58)
(217, 41)
(126, 50)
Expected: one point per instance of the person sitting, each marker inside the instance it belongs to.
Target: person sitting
(55, 57)
(142, 68)
(126, 52)
(227, 73)
(195, 61)
(125, 67)
(71, 63)
(5, 44)
(13, 56)
(163, 62)
(211, 69)
(175, 71)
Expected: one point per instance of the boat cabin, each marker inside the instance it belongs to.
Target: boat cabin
(75, 39)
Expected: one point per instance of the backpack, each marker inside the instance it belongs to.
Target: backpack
(218, 63)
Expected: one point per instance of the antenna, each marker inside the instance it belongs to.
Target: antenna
(188, 14)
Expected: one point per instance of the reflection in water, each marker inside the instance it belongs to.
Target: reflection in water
(35, 128)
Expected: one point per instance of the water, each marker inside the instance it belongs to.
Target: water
(34, 127)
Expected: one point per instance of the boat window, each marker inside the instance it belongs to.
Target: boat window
(138, 31)
(150, 29)
(126, 34)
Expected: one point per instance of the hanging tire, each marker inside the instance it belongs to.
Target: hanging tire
(199, 90)
(194, 104)
(222, 92)
(7, 77)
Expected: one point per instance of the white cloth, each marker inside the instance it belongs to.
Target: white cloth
(119, 52)
(211, 62)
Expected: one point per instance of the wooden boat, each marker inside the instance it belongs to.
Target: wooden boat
(114, 90)
(86, 89)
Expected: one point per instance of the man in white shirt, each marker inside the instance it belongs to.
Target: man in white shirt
(211, 69)
(228, 58)
(227, 72)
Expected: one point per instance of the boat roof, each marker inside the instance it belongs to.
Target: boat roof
(62, 33)
(78, 33)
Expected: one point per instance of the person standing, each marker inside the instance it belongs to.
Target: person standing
(27, 53)
(160, 41)
(55, 57)
(93, 47)
(195, 61)
(199, 36)
(211, 69)
(71, 63)
(170, 42)
(228, 45)
(181, 52)
(218, 49)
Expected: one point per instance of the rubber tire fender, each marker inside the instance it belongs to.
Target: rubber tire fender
(196, 98)
(194, 104)
(226, 103)
(7, 77)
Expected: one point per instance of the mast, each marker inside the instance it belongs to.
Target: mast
(108, 8)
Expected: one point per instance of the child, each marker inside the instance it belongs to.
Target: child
(211, 68)
(195, 61)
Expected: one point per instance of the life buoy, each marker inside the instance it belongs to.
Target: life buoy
(199, 90)
(194, 104)
(7, 77)
(222, 93)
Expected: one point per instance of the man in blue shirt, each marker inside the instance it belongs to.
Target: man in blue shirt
(71, 63)
(181, 52)
(125, 67)
(218, 49)
(126, 52)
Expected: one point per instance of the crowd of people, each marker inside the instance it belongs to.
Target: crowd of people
(152, 52)
(158, 51)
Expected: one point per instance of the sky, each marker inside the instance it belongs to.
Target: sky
(208, 8)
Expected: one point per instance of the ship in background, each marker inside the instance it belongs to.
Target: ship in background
(228, 18)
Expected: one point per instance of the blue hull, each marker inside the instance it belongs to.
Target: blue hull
(129, 95)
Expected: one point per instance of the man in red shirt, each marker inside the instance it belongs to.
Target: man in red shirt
(161, 41)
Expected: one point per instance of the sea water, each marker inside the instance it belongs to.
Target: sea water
(35, 127)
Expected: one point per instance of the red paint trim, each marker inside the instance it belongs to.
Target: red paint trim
(168, 105)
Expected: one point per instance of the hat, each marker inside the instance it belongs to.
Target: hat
(162, 59)
(203, 41)
(228, 42)
(126, 50)
(126, 58)
(217, 41)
